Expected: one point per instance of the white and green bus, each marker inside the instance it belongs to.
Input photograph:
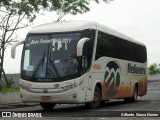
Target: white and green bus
(80, 62)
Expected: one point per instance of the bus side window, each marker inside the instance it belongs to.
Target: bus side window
(86, 58)
(104, 45)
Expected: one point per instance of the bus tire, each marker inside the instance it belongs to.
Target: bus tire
(97, 99)
(47, 106)
(134, 96)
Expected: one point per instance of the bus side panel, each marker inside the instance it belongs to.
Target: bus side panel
(124, 88)
(114, 83)
(116, 79)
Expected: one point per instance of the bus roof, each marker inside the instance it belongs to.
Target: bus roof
(77, 26)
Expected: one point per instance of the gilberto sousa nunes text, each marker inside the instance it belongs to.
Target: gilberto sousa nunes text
(140, 114)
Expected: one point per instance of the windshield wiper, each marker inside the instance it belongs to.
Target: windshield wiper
(54, 67)
(38, 66)
(52, 63)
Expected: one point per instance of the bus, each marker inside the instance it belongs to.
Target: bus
(80, 62)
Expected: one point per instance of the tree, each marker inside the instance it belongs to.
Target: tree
(13, 12)
(11, 17)
(154, 69)
(5, 2)
(64, 7)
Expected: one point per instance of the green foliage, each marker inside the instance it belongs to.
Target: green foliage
(62, 7)
(107, 1)
(24, 8)
(154, 69)
(1, 86)
(5, 89)
(8, 89)
(4, 2)
(31, 7)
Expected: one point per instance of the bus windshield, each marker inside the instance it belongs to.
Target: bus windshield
(48, 56)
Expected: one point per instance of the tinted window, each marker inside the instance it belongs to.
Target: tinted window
(88, 48)
(111, 46)
(50, 56)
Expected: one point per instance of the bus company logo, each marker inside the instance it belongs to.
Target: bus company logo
(45, 91)
(112, 77)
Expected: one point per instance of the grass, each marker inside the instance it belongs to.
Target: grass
(5, 89)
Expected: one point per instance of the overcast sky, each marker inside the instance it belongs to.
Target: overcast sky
(139, 19)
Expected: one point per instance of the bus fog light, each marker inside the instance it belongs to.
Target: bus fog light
(21, 96)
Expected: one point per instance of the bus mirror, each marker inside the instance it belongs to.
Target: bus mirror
(13, 49)
(80, 46)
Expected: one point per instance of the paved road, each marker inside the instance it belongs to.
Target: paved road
(149, 103)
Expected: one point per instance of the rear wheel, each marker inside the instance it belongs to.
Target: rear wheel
(47, 106)
(103, 103)
(97, 99)
(134, 97)
(135, 94)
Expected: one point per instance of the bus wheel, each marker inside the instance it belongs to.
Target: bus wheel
(134, 97)
(47, 106)
(135, 94)
(97, 99)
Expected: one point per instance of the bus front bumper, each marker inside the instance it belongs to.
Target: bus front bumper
(76, 95)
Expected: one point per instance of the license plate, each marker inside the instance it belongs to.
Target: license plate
(45, 97)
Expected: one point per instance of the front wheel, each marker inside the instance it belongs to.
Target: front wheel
(47, 106)
(97, 99)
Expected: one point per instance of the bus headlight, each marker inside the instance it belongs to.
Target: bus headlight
(72, 86)
(24, 87)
